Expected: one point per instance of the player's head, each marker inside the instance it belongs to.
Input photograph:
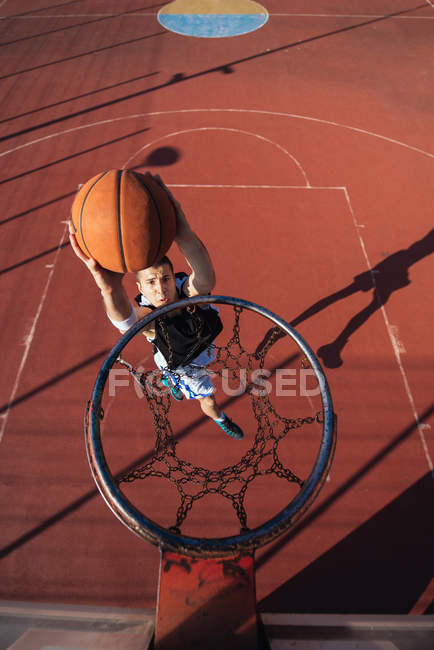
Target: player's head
(157, 283)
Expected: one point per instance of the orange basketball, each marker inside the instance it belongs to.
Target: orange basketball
(123, 219)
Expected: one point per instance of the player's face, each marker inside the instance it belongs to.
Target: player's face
(157, 284)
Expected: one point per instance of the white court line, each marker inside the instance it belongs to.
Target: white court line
(219, 128)
(218, 110)
(420, 426)
(96, 15)
(277, 14)
(254, 187)
(361, 16)
(29, 339)
(397, 345)
(396, 348)
(124, 15)
(320, 121)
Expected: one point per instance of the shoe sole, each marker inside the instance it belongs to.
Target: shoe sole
(232, 434)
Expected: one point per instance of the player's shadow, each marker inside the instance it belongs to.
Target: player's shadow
(386, 277)
(383, 567)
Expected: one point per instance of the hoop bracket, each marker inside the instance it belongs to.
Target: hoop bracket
(206, 603)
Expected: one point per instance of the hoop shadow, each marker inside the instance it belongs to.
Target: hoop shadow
(382, 567)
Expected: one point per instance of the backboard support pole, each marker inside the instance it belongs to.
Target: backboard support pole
(206, 603)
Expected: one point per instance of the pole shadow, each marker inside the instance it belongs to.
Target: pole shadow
(73, 99)
(225, 68)
(74, 155)
(36, 11)
(91, 494)
(51, 382)
(383, 567)
(30, 211)
(75, 26)
(82, 55)
(33, 258)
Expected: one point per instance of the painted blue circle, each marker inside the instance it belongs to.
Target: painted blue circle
(212, 25)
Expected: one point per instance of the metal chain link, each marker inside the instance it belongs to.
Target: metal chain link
(271, 429)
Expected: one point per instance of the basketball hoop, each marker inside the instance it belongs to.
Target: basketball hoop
(272, 429)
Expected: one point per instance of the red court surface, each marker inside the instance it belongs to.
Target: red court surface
(302, 154)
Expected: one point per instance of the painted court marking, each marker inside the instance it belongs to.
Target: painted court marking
(208, 19)
(397, 345)
(397, 352)
(138, 14)
(218, 128)
(28, 340)
(219, 110)
(357, 226)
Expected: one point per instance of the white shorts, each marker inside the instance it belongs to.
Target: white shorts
(193, 381)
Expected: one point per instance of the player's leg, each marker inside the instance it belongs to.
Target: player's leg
(174, 388)
(196, 383)
(210, 408)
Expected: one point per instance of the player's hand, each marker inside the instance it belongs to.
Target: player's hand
(183, 229)
(105, 280)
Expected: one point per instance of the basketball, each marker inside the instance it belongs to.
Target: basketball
(124, 220)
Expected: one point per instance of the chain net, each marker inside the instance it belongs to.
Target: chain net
(262, 458)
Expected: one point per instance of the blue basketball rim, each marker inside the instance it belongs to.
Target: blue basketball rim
(147, 529)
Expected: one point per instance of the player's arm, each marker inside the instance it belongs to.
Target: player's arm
(141, 312)
(118, 306)
(202, 278)
(114, 296)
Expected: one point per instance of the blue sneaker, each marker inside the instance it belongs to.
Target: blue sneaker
(176, 392)
(230, 428)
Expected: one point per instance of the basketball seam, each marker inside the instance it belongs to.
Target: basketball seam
(82, 208)
(121, 245)
(157, 210)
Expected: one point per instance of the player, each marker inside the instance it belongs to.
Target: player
(160, 286)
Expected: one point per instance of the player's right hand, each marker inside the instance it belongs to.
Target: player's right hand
(105, 280)
(183, 230)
